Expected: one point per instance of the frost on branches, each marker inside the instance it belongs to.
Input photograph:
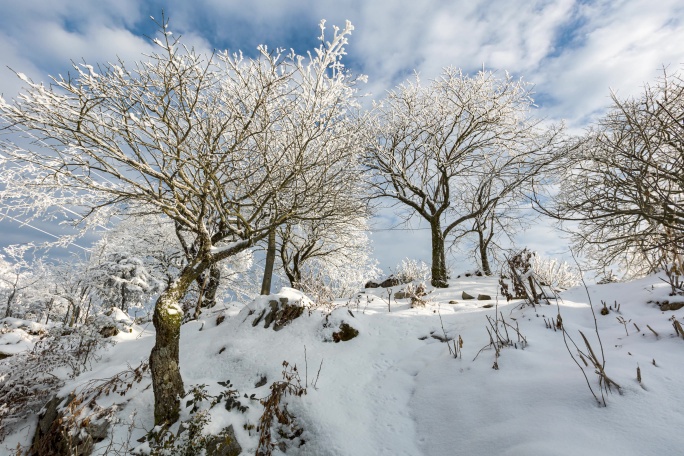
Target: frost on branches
(328, 264)
(453, 149)
(226, 147)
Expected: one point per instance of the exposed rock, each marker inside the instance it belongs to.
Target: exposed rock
(223, 444)
(55, 434)
(4, 356)
(345, 333)
(453, 302)
(109, 331)
(466, 296)
(220, 319)
(258, 319)
(488, 306)
(279, 313)
(390, 282)
(286, 315)
(671, 305)
(262, 381)
(483, 297)
(271, 313)
(402, 294)
(371, 284)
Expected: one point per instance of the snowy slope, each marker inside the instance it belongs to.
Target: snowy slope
(396, 390)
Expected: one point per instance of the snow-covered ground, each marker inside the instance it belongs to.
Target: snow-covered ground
(396, 390)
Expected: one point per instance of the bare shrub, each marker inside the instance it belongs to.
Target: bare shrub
(28, 379)
(276, 416)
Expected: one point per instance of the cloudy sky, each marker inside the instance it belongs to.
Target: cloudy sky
(574, 52)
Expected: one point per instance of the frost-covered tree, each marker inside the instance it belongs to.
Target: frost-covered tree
(19, 282)
(492, 230)
(458, 132)
(327, 253)
(226, 147)
(329, 240)
(626, 188)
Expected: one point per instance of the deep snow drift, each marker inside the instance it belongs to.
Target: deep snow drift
(396, 389)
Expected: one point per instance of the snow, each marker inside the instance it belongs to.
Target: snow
(395, 390)
(18, 335)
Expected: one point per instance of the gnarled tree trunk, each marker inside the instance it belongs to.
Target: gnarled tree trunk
(164, 359)
(439, 269)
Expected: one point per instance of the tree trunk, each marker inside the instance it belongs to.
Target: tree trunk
(209, 300)
(208, 285)
(8, 311)
(439, 269)
(486, 268)
(270, 261)
(164, 360)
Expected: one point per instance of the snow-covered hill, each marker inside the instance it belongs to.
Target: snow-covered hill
(397, 389)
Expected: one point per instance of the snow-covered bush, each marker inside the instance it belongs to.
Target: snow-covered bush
(558, 275)
(412, 270)
(27, 379)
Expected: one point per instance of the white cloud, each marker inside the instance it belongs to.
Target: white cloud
(573, 50)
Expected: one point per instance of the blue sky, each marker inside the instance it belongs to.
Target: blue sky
(574, 52)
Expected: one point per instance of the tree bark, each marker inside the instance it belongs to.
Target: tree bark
(486, 268)
(270, 261)
(164, 359)
(8, 311)
(439, 269)
(208, 286)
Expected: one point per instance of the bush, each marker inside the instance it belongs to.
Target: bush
(27, 379)
(558, 275)
(412, 270)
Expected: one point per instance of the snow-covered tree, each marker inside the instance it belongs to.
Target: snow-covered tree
(327, 254)
(459, 131)
(19, 282)
(492, 230)
(626, 190)
(226, 147)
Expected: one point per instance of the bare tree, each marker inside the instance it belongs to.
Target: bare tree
(224, 146)
(17, 277)
(496, 220)
(315, 252)
(434, 139)
(626, 188)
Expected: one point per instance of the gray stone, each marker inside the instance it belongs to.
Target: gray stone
(345, 333)
(466, 296)
(54, 437)
(672, 305)
(262, 381)
(390, 282)
(483, 297)
(453, 302)
(109, 331)
(271, 313)
(258, 319)
(223, 444)
(402, 294)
